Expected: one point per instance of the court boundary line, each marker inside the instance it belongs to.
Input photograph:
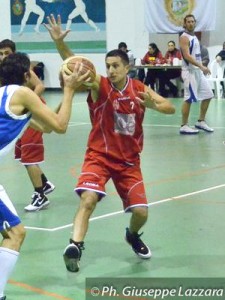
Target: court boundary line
(37, 290)
(74, 124)
(121, 211)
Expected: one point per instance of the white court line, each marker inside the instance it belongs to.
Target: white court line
(121, 211)
(73, 124)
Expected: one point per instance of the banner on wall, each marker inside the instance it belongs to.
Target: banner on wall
(166, 16)
(85, 18)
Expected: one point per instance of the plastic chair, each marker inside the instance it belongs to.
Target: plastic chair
(217, 77)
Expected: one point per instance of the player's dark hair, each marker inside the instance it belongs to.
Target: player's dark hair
(13, 69)
(117, 52)
(189, 16)
(8, 44)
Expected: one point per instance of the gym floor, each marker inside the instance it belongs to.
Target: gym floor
(185, 184)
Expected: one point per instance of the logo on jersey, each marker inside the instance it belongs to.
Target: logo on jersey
(178, 9)
(90, 184)
(123, 98)
(6, 225)
(124, 123)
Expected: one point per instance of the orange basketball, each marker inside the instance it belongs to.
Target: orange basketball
(87, 65)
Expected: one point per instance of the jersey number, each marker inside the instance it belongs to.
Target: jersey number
(132, 105)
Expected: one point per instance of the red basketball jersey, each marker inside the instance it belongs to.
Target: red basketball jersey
(117, 118)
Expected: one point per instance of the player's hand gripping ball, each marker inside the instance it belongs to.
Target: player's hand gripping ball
(87, 65)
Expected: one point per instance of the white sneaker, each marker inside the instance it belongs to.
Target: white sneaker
(185, 129)
(202, 125)
(38, 202)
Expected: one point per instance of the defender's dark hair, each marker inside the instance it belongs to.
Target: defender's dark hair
(13, 69)
(117, 52)
(8, 44)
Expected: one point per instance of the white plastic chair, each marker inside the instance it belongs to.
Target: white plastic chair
(213, 51)
(216, 77)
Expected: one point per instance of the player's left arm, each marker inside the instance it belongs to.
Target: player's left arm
(150, 99)
(95, 87)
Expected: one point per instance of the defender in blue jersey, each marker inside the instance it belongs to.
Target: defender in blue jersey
(20, 107)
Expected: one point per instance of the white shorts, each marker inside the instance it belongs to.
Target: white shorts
(8, 214)
(196, 87)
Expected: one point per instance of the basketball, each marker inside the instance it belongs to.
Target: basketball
(87, 65)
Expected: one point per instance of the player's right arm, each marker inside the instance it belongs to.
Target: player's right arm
(184, 46)
(24, 100)
(54, 28)
(44, 118)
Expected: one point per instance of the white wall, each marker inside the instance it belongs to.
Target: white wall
(5, 22)
(125, 22)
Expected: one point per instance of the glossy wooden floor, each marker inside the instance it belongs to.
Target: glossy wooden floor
(185, 184)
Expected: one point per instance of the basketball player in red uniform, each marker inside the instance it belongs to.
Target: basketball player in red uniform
(117, 105)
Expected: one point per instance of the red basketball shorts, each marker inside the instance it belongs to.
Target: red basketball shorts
(29, 148)
(127, 178)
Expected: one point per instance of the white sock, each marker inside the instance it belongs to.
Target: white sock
(8, 259)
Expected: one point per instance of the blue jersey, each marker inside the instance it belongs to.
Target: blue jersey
(11, 125)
